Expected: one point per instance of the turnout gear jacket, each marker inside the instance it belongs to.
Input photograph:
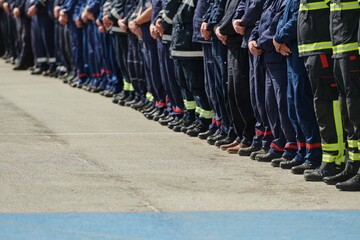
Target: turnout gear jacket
(314, 28)
(344, 25)
(181, 15)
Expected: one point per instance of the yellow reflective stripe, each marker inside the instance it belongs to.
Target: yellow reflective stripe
(315, 46)
(206, 114)
(354, 156)
(130, 87)
(198, 110)
(190, 105)
(340, 160)
(352, 143)
(345, 47)
(327, 1)
(149, 96)
(127, 86)
(344, 6)
(329, 158)
(339, 131)
(313, 6)
(332, 146)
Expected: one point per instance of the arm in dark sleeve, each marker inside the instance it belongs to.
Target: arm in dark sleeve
(207, 15)
(69, 6)
(94, 7)
(253, 13)
(255, 33)
(266, 39)
(169, 13)
(117, 11)
(240, 10)
(156, 9)
(217, 15)
(287, 31)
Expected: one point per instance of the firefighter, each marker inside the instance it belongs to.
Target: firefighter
(260, 44)
(315, 47)
(343, 32)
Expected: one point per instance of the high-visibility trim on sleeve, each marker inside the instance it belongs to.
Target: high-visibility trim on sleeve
(313, 6)
(344, 6)
(315, 46)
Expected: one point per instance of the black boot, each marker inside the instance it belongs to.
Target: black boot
(353, 184)
(326, 169)
(350, 171)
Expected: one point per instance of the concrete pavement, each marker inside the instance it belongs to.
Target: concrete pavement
(65, 150)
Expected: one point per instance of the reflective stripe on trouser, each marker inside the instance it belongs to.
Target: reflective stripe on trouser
(347, 74)
(327, 107)
(301, 109)
(207, 114)
(190, 105)
(149, 97)
(127, 86)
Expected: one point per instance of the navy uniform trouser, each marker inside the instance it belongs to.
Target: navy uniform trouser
(239, 94)
(77, 35)
(219, 52)
(12, 37)
(209, 83)
(347, 75)
(170, 84)
(110, 69)
(327, 109)
(152, 71)
(120, 49)
(135, 66)
(301, 110)
(26, 57)
(65, 47)
(93, 58)
(284, 143)
(257, 72)
(37, 44)
(257, 96)
(47, 34)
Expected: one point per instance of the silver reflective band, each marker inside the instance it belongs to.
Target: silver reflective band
(189, 2)
(117, 29)
(167, 37)
(115, 14)
(175, 53)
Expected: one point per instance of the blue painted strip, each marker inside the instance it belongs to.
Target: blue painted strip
(302, 225)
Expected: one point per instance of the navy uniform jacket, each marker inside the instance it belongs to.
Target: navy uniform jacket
(287, 26)
(200, 10)
(225, 25)
(266, 27)
(249, 11)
